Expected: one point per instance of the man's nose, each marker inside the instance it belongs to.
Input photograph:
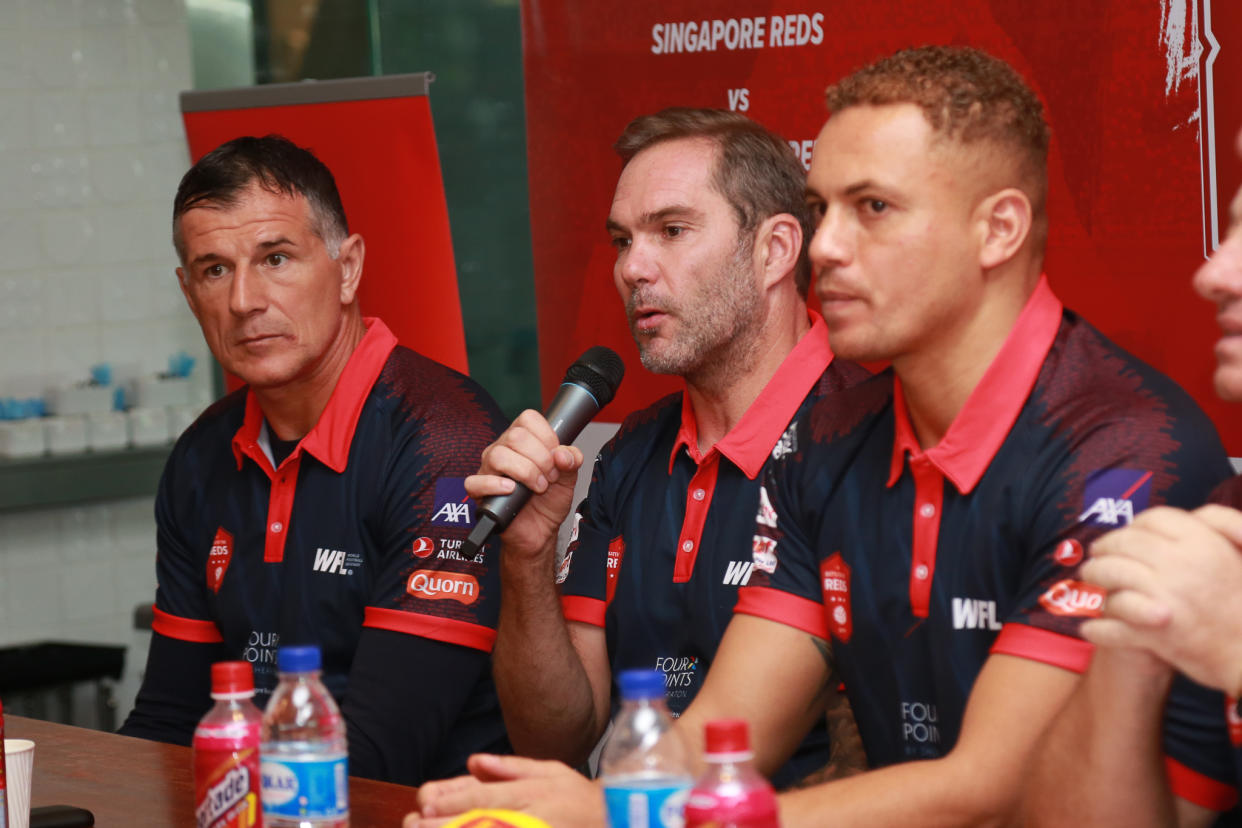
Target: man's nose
(1220, 277)
(248, 292)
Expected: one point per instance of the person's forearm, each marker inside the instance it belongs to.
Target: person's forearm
(544, 690)
(1101, 762)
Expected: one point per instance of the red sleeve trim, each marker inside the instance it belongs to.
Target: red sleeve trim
(448, 630)
(1193, 786)
(1059, 650)
(185, 629)
(791, 610)
(586, 610)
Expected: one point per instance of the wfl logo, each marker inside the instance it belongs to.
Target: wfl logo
(738, 573)
(333, 561)
(453, 505)
(1114, 496)
(974, 614)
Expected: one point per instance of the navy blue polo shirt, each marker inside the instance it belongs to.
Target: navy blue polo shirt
(661, 543)
(1203, 727)
(360, 526)
(920, 564)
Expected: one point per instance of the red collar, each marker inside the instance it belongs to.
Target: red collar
(329, 440)
(752, 438)
(976, 433)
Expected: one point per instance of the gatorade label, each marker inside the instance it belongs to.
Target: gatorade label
(658, 806)
(315, 788)
(226, 777)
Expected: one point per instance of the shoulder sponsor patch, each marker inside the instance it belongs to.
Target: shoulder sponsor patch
(616, 551)
(218, 559)
(834, 578)
(1074, 598)
(763, 553)
(766, 516)
(1112, 497)
(453, 507)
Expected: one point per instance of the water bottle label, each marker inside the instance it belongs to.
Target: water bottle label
(646, 807)
(313, 788)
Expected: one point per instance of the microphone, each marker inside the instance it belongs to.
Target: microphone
(589, 385)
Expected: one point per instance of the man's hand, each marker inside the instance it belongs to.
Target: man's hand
(1173, 579)
(552, 791)
(529, 453)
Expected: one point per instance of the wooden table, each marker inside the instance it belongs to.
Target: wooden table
(133, 782)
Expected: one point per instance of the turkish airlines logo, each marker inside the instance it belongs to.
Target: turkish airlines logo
(1074, 598)
(453, 505)
(1113, 496)
(218, 559)
(423, 547)
(436, 586)
(1234, 719)
(1068, 553)
(834, 576)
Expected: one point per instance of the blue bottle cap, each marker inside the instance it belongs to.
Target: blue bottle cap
(297, 659)
(641, 684)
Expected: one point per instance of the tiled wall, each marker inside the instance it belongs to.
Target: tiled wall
(91, 149)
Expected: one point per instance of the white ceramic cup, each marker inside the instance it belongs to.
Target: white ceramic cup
(18, 768)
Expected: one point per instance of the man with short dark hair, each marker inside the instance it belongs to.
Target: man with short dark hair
(322, 503)
(707, 222)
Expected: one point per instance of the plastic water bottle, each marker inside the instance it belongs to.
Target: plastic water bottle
(730, 793)
(644, 765)
(226, 752)
(305, 759)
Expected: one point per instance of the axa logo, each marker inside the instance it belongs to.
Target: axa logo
(975, 614)
(452, 586)
(737, 573)
(453, 506)
(1111, 497)
(218, 559)
(1069, 597)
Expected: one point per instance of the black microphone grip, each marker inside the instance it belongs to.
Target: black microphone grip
(589, 385)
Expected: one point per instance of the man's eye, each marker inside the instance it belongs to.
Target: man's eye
(214, 271)
(876, 205)
(620, 242)
(276, 259)
(816, 209)
(673, 231)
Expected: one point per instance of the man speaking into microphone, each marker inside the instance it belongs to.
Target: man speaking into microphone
(709, 227)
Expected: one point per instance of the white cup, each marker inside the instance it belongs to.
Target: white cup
(18, 768)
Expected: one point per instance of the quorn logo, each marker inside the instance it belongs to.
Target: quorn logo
(1073, 598)
(452, 586)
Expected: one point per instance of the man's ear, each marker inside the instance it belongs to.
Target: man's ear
(183, 280)
(778, 246)
(350, 256)
(1004, 220)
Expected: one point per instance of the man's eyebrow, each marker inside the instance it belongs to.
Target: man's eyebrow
(672, 211)
(204, 258)
(279, 242)
(855, 189)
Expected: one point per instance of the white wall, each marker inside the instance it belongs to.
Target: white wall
(91, 150)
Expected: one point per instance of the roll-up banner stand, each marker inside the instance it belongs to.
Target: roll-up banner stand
(1144, 100)
(375, 135)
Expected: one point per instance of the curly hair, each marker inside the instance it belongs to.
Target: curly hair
(756, 171)
(966, 95)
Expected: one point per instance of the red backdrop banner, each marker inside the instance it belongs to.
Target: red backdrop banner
(382, 152)
(1144, 100)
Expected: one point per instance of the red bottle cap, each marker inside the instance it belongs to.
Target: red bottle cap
(728, 736)
(232, 677)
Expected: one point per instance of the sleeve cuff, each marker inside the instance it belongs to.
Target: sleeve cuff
(448, 630)
(585, 610)
(1037, 644)
(783, 608)
(1193, 786)
(185, 629)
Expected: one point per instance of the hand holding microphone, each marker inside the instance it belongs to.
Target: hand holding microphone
(525, 452)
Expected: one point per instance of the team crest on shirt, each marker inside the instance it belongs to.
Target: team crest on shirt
(1073, 598)
(1234, 718)
(453, 506)
(218, 559)
(834, 578)
(1112, 497)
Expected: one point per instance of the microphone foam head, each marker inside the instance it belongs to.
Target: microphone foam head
(599, 370)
